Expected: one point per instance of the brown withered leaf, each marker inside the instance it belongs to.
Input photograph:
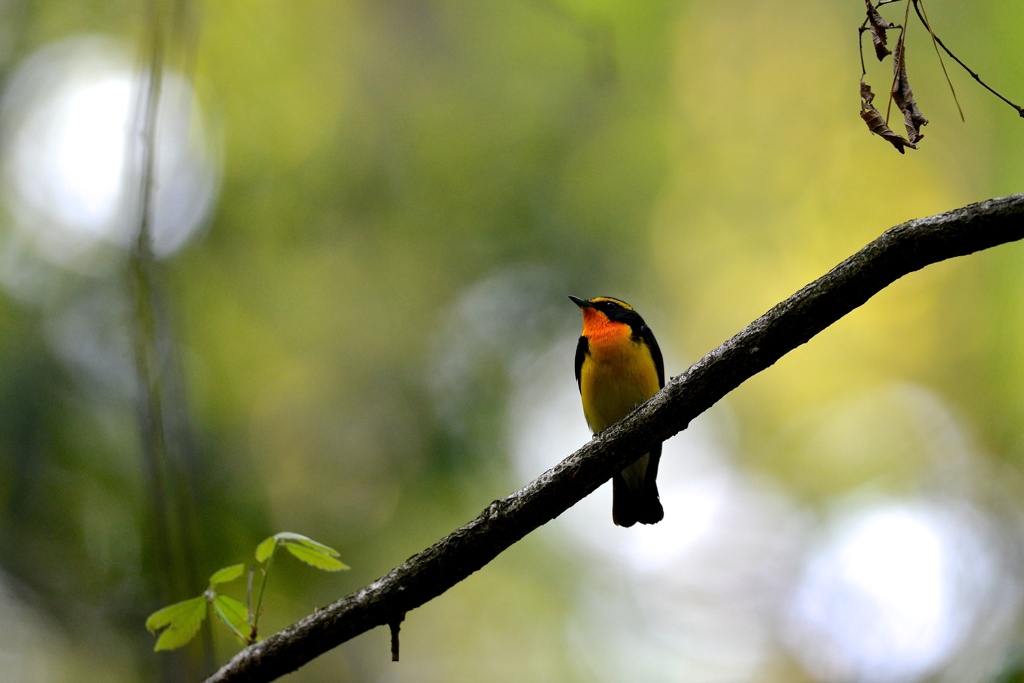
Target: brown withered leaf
(903, 96)
(876, 122)
(877, 26)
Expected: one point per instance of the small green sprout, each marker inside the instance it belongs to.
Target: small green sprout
(179, 623)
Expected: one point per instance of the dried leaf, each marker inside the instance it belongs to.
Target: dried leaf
(877, 25)
(903, 96)
(876, 122)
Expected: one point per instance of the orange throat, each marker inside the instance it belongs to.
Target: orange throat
(597, 327)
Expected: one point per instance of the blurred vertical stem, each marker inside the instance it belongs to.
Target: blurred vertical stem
(174, 552)
(144, 326)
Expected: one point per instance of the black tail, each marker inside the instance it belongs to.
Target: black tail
(630, 505)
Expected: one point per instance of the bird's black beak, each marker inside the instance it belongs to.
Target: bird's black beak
(582, 303)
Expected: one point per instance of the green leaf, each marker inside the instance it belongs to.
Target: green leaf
(290, 538)
(233, 613)
(167, 615)
(303, 547)
(227, 574)
(266, 548)
(316, 557)
(180, 621)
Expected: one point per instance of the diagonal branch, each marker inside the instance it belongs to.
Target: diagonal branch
(897, 252)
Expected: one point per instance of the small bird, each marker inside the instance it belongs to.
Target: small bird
(618, 367)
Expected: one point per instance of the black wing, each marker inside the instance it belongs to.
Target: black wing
(647, 337)
(582, 349)
(651, 511)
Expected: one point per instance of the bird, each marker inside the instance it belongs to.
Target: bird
(618, 367)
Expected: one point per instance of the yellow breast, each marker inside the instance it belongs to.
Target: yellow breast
(618, 375)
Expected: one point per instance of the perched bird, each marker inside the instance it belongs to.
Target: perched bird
(618, 367)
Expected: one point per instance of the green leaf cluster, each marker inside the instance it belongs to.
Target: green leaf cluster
(178, 624)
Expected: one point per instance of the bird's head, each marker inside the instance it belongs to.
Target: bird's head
(604, 314)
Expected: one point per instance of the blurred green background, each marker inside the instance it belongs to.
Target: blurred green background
(368, 217)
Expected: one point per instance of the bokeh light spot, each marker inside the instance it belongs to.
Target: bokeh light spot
(887, 598)
(72, 161)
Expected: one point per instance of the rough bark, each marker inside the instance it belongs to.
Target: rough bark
(897, 252)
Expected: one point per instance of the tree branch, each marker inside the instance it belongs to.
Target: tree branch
(897, 252)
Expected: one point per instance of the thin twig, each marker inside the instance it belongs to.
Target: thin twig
(250, 614)
(897, 252)
(860, 47)
(975, 76)
(928, 25)
(259, 600)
